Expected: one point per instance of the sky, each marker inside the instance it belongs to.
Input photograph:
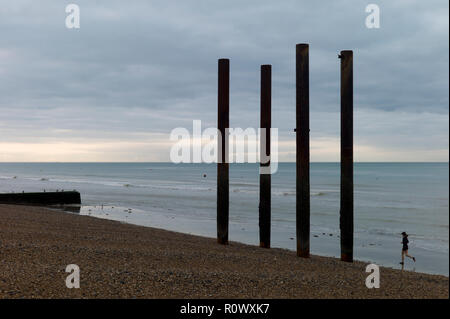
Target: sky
(115, 88)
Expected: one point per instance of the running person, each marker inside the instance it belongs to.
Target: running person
(405, 242)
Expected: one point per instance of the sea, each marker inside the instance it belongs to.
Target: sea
(389, 198)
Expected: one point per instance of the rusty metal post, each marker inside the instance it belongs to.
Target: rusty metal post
(265, 179)
(222, 163)
(346, 212)
(302, 156)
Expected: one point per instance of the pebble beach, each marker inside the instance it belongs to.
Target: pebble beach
(119, 260)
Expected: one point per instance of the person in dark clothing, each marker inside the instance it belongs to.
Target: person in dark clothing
(405, 242)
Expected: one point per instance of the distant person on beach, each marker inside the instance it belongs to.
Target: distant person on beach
(405, 242)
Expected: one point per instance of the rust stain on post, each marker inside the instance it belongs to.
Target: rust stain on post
(302, 156)
(346, 211)
(222, 163)
(265, 179)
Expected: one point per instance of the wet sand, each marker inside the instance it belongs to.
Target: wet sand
(120, 260)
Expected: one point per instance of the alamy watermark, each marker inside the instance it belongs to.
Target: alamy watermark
(373, 19)
(73, 280)
(373, 280)
(73, 17)
(241, 146)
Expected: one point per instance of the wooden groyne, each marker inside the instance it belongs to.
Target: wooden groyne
(302, 130)
(42, 198)
(346, 212)
(223, 187)
(265, 179)
(302, 150)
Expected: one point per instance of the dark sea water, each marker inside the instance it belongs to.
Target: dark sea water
(389, 198)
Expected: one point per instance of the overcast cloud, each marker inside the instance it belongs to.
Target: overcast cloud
(115, 88)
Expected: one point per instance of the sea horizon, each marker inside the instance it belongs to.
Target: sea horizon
(169, 162)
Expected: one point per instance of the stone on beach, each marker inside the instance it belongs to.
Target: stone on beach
(119, 260)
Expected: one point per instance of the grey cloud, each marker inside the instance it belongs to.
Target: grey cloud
(150, 66)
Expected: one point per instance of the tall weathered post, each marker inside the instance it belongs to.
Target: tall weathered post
(302, 156)
(222, 163)
(265, 176)
(346, 212)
